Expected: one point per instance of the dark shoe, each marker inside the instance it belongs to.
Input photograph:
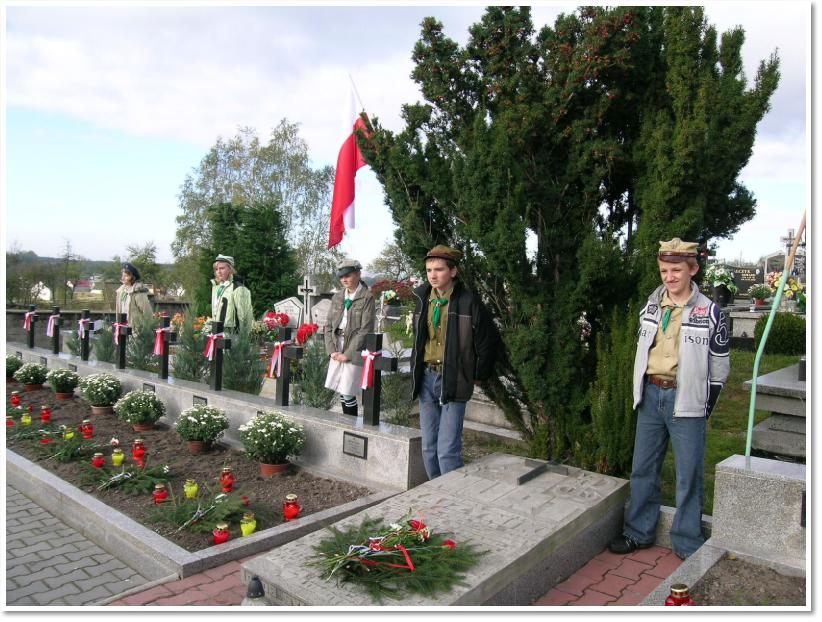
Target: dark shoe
(623, 544)
(350, 410)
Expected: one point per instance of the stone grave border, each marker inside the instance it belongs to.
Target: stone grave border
(142, 548)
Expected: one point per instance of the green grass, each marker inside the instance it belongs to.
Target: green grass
(728, 425)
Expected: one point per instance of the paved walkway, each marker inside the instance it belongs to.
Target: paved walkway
(49, 563)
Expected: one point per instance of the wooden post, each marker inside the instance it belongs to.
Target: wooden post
(283, 383)
(32, 314)
(371, 395)
(167, 337)
(84, 345)
(55, 332)
(216, 379)
(121, 333)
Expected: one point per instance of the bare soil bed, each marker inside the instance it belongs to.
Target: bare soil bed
(164, 447)
(732, 582)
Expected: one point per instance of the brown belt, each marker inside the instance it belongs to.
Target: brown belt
(659, 381)
(435, 367)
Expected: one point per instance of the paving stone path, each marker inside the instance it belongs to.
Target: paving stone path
(49, 563)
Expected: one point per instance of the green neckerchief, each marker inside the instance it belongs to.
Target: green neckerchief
(439, 303)
(220, 290)
(347, 303)
(666, 317)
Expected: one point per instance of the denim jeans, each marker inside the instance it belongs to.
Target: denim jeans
(655, 424)
(441, 428)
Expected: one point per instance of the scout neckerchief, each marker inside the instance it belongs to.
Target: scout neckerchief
(347, 303)
(439, 303)
(666, 317)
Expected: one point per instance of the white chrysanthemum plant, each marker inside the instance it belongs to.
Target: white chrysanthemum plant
(201, 423)
(63, 380)
(138, 407)
(31, 373)
(271, 438)
(101, 389)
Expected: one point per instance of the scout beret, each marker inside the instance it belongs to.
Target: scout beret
(225, 259)
(347, 266)
(676, 250)
(129, 267)
(444, 252)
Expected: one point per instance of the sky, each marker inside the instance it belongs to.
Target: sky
(108, 108)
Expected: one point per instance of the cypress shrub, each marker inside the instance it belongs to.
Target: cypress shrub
(787, 335)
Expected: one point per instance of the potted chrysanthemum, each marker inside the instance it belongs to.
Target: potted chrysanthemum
(759, 293)
(101, 391)
(270, 439)
(200, 426)
(31, 376)
(63, 381)
(13, 363)
(142, 409)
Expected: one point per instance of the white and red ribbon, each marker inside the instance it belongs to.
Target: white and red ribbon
(27, 319)
(211, 345)
(367, 377)
(159, 340)
(117, 326)
(276, 365)
(82, 324)
(50, 326)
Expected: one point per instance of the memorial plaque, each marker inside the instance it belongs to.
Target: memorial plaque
(293, 307)
(319, 314)
(44, 361)
(746, 277)
(72, 367)
(197, 400)
(355, 445)
(148, 387)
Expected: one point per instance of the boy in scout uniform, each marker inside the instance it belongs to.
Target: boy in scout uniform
(682, 362)
(455, 343)
(226, 286)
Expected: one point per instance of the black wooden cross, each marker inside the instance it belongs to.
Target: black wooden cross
(371, 395)
(84, 343)
(220, 345)
(55, 321)
(32, 315)
(122, 334)
(166, 337)
(283, 383)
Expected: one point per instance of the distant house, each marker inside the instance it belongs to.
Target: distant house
(41, 292)
(80, 286)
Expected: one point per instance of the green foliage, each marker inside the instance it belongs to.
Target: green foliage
(131, 479)
(103, 346)
(72, 341)
(242, 368)
(787, 334)
(31, 373)
(101, 389)
(140, 407)
(271, 438)
(63, 380)
(68, 450)
(13, 363)
(309, 381)
(395, 398)
(201, 423)
(608, 131)
(140, 347)
(188, 361)
(759, 291)
(201, 515)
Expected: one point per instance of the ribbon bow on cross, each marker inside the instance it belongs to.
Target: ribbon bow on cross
(83, 323)
(367, 376)
(50, 326)
(159, 341)
(211, 345)
(27, 319)
(117, 326)
(276, 365)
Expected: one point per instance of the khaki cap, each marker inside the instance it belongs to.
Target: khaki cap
(225, 259)
(675, 250)
(444, 252)
(347, 266)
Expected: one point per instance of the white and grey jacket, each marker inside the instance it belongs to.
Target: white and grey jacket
(704, 352)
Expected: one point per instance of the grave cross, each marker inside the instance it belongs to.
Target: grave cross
(53, 330)
(371, 395)
(162, 344)
(85, 333)
(289, 352)
(308, 290)
(30, 318)
(218, 344)
(121, 331)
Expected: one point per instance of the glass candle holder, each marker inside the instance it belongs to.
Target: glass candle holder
(9, 421)
(25, 419)
(227, 479)
(138, 452)
(15, 398)
(86, 429)
(190, 488)
(291, 509)
(45, 437)
(117, 457)
(248, 524)
(97, 460)
(221, 533)
(160, 493)
(679, 597)
(45, 414)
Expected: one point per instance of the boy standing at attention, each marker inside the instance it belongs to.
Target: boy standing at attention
(455, 343)
(682, 361)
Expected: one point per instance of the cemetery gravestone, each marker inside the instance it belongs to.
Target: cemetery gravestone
(309, 291)
(293, 307)
(319, 314)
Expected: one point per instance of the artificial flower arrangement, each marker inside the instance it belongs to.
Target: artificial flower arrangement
(792, 287)
(304, 332)
(406, 556)
(31, 373)
(388, 295)
(101, 389)
(270, 438)
(201, 423)
(13, 363)
(718, 275)
(63, 380)
(137, 407)
(268, 328)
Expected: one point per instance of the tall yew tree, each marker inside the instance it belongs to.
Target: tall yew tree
(549, 159)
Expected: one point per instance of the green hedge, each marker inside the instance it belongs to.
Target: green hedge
(787, 335)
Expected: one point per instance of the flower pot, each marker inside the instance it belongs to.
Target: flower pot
(268, 470)
(143, 427)
(63, 396)
(196, 447)
(32, 387)
(760, 302)
(102, 410)
(722, 295)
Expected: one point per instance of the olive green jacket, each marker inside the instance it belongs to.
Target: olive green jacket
(239, 312)
(360, 322)
(133, 300)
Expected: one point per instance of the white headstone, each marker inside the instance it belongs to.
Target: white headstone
(293, 307)
(309, 290)
(319, 314)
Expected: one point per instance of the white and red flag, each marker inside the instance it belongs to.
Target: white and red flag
(349, 161)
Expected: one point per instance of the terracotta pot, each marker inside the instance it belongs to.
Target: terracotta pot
(32, 387)
(63, 396)
(760, 302)
(102, 410)
(267, 470)
(142, 427)
(196, 447)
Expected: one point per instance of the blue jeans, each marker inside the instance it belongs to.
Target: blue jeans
(655, 424)
(441, 428)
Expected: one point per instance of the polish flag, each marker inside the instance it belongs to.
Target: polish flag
(349, 161)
